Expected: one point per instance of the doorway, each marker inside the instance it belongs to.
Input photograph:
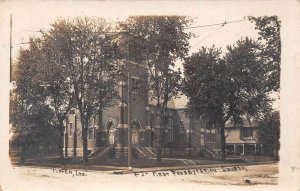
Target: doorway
(111, 131)
(135, 124)
(135, 137)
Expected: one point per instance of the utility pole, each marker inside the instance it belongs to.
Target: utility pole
(75, 137)
(129, 154)
(129, 127)
(10, 50)
(190, 121)
(68, 125)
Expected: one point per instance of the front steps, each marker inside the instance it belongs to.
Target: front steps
(148, 153)
(102, 152)
(144, 152)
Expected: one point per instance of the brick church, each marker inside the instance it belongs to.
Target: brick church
(108, 130)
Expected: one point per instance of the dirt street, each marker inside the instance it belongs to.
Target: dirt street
(30, 178)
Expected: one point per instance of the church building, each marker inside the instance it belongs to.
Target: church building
(108, 130)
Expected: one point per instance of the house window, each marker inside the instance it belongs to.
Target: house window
(134, 85)
(246, 132)
(91, 133)
(70, 129)
(181, 127)
(211, 137)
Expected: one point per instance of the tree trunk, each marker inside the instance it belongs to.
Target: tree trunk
(160, 140)
(84, 139)
(23, 153)
(163, 125)
(61, 143)
(223, 141)
(158, 157)
(100, 126)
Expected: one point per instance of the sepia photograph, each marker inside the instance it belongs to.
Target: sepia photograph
(149, 95)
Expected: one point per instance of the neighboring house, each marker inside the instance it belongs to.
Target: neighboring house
(242, 139)
(108, 131)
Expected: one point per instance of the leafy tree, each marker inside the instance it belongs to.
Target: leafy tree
(75, 62)
(269, 134)
(30, 118)
(84, 49)
(229, 87)
(53, 74)
(159, 40)
(269, 31)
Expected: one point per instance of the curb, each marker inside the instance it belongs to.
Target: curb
(136, 170)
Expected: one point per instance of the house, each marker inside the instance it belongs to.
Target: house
(242, 139)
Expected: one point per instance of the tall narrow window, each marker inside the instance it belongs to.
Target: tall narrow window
(157, 121)
(157, 134)
(134, 84)
(171, 135)
(91, 132)
(103, 135)
(142, 135)
(70, 128)
(181, 127)
(170, 122)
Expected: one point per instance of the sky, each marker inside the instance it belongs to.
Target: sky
(33, 16)
(29, 19)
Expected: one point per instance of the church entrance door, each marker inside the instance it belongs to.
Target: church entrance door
(111, 131)
(135, 137)
(111, 139)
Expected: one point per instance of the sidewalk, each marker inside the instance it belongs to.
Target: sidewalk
(138, 170)
(115, 169)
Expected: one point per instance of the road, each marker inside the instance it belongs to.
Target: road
(32, 178)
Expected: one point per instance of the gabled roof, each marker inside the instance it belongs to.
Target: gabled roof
(181, 102)
(177, 103)
(170, 104)
(246, 123)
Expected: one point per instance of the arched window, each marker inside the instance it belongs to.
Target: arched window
(110, 124)
(135, 124)
(70, 128)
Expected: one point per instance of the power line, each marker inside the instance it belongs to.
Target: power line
(43, 32)
(120, 32)
(39, 31)
(209, 25)
(212, 33)
(104, 32)
(205, 37)
(192, 27)
(29, 42)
